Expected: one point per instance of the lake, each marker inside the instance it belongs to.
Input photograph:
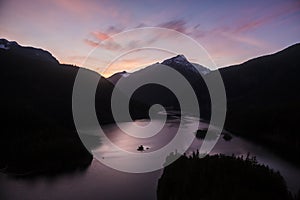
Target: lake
(99, 181)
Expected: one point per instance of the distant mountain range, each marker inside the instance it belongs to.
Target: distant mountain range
(262, 94)
(263, 100)
(179, 62)
(156, 94)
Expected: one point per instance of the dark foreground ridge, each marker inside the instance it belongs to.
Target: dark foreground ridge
(38, 132)
(220, 177)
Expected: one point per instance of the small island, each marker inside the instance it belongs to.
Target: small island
(201, 133)
(140, 148)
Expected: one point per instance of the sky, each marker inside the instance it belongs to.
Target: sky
(112, 35)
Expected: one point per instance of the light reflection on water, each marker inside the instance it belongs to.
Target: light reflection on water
(102, 182)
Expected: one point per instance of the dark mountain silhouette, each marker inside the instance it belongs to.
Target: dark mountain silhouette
(33, 53)
(38, 128)
(151, 94)
(115, 77)
(39, 132)
(181, 64)
(264, 100)
(262, 97)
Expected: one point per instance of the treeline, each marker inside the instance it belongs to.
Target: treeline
(220, 177)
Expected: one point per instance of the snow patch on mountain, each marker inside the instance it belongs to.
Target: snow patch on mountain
(180, 61)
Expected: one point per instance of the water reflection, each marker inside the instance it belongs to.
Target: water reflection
(101, 182)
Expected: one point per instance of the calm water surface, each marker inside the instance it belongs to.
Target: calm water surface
(101, 182)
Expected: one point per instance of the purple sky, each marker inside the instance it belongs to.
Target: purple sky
(231, 31)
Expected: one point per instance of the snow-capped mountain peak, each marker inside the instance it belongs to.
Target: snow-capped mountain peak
(179, 59)
(180, 62)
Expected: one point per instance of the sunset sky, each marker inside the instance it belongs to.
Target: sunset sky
(230, 31)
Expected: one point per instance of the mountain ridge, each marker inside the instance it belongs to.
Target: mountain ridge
(38, 127)
(26, 51)
(179, 63)
(262, 106)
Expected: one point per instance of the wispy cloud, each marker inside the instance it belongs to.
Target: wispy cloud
(108, 44)
(240, 34)
(178, 25)
(91, 43)
(104, 39)
(100, 35)
(248, 24)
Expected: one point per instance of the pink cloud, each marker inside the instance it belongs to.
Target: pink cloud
(91, 43)
(237, 35)
(103, 41)
(100, 35)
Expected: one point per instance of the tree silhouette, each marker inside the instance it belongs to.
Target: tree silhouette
(220, 177)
